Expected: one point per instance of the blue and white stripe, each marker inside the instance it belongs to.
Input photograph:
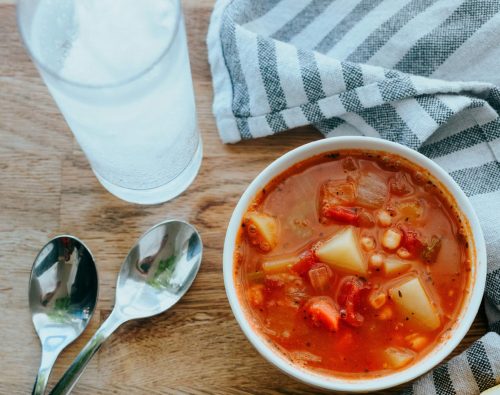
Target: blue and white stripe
(424, 73)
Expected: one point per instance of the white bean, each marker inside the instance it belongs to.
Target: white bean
(384, 218)
(391, 239)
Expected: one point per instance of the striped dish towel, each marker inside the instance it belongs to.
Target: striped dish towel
(424, 73)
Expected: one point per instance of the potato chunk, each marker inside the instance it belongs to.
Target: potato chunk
(262, 230)
(393, 266)
(398, 357)
(342, 251)
(412, 299)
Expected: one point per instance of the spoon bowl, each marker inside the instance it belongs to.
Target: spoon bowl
(62, 297)
(158, 270)
(155, 275)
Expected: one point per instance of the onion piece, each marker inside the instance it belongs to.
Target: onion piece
(304, 356)
(398, 357)
(371, 191)
(320, 277)
(278, 264)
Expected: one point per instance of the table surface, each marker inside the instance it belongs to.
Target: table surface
(47, 188)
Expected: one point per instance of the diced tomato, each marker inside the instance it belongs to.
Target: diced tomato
(411, 241)
(349, 299)
(306, 260)
(342, 214)
(350, 290)
(270, 285)
(323, 311)
(431, 250)
(365, 219)
(345, 341)
(399, 185)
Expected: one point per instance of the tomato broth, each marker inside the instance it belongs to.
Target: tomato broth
(353, 263)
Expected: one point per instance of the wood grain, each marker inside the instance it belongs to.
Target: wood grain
(48, 188)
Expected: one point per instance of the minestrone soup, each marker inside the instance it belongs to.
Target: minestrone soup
(353, 262)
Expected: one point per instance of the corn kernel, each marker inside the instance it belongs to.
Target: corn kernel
(376, 261)
(417, 342)
(385, 314)
(368, 243)
(403, 253)
(377, 299)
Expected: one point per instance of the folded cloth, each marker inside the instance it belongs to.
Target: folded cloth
(424, 73)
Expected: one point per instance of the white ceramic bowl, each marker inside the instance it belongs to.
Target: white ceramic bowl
(470, 305)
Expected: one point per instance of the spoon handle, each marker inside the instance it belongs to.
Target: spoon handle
(71, 376)
(48, 360)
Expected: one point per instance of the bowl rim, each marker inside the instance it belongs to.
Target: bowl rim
(340, 383)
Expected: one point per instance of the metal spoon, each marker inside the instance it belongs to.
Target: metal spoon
(156, 273)
(62, 297)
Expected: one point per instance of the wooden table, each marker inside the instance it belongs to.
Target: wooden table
(47, 188)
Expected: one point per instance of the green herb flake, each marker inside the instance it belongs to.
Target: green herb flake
(61, 307)
(163, 274)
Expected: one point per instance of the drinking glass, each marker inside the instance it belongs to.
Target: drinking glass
(119, 72)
